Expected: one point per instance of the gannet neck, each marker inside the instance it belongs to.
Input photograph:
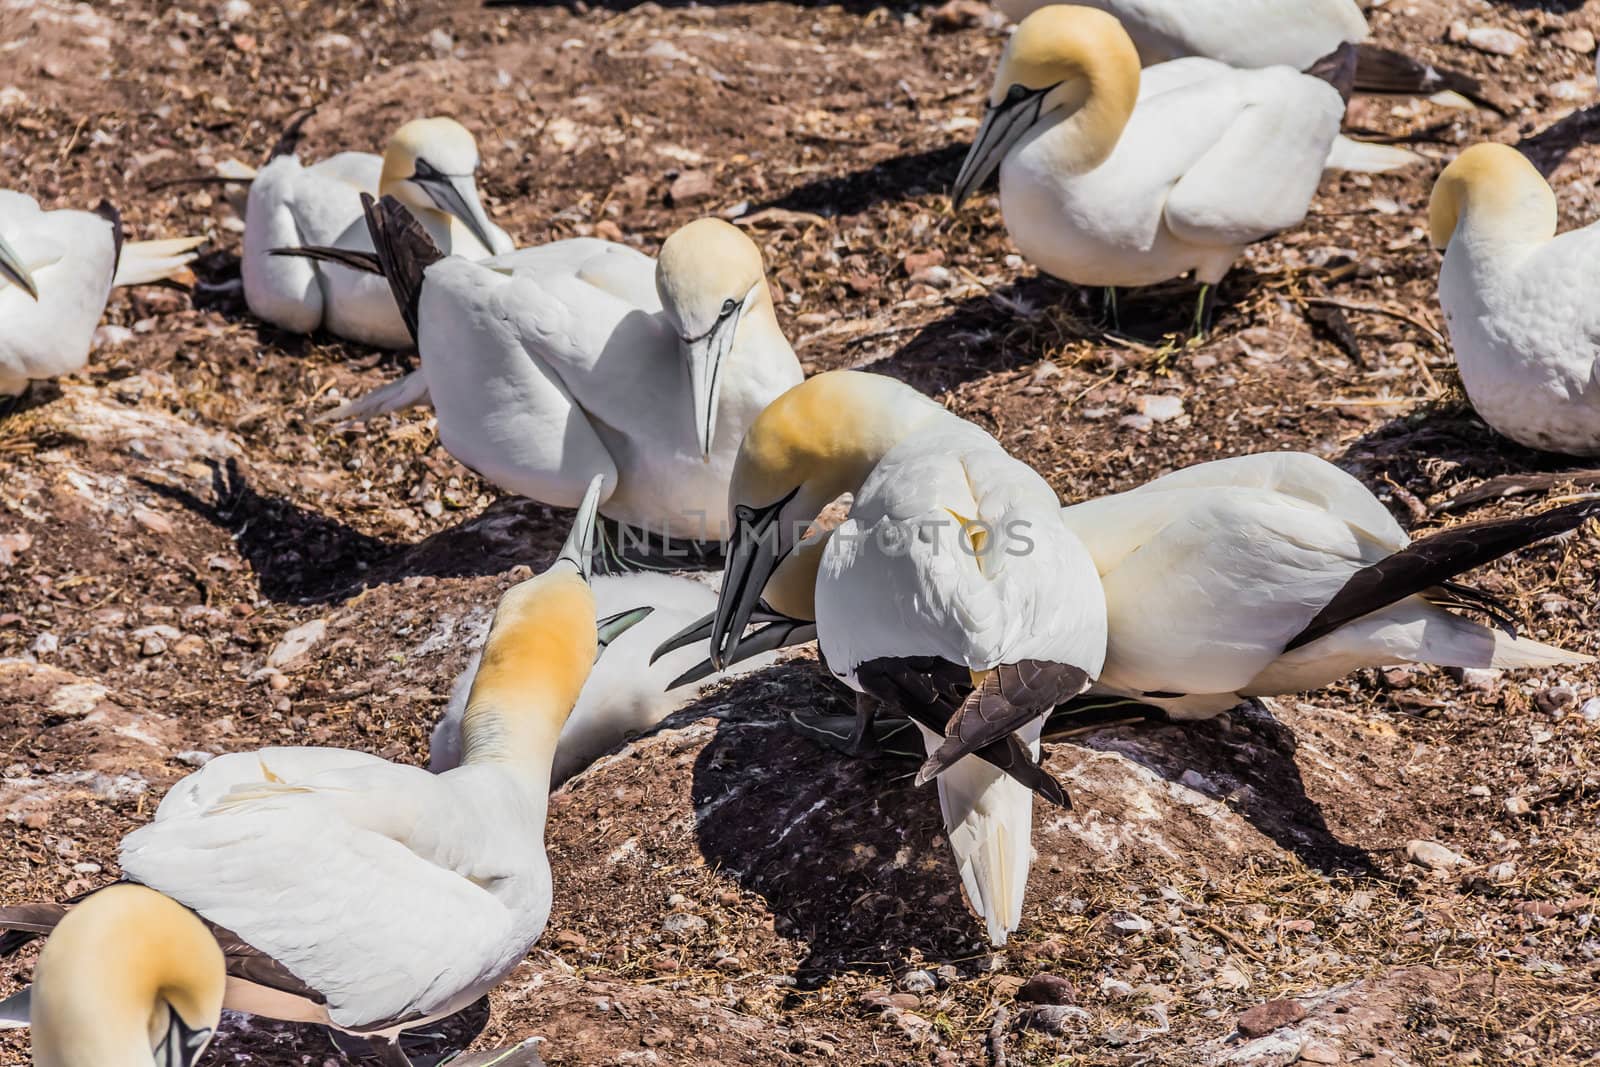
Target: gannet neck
(114, 974)
(541, 647)
(1491, 195)
(1091, 68)
(823, 437)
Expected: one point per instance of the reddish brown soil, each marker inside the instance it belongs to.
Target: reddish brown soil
(169, 513)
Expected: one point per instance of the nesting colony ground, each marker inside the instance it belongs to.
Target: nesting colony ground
(190, 565)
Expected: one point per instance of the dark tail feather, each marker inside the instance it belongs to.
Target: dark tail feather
(1013, 695)
(404, 249)
(1338, 69)
(1519, 485)
(366, 262)
(1383, 70)
(25, 923)
(1466, 598)
(1433, 561)
(289, 140)
(108, 211)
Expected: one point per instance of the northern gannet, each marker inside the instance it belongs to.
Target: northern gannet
(627, 692)
(430, 165)
(128, 978)
(374, 897)
(1279, 573)
(951, 591)
(555, 363)
(57, 269)
(1266, 33)
(1110, 180)
(1517, 301)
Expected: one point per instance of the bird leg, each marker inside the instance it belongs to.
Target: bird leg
(1108, 307)
(862, 743)
(1204, 308)
(389, 1052)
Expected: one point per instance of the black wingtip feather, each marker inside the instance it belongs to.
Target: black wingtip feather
(404, 249)
(1383, 70)
(108, 211)
(1434, 560)
(289, 140)
(1338, 69)
(366, 262)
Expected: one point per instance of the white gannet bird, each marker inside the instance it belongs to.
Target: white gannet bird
(1266, 33)
(1516, 300)
(128, 978)
(430, 165)
(951, 591)
(1279, 573)
(57, 268)
(374, 897)
(627, 693)
(1107, 181)
(553, 364)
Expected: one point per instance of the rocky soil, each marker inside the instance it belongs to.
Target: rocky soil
(1397, 870)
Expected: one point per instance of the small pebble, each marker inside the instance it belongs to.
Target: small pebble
(918, 982)
(1269, 1016)
(1433, 855)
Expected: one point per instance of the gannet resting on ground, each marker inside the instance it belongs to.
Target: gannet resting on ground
(128, 978)
(627, 692)
(951, 591)
(1266, 33)
(56, 270)
(553, 364)
(429, 165)
(1279, 573)
(374, 897)
(1107, 181)
(1518, 301)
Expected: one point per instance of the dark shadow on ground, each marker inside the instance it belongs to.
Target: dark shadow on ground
(911, 175)
(1549, 148)
(852, 858)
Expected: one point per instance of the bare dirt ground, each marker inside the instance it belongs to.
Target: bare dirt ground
(725, 891)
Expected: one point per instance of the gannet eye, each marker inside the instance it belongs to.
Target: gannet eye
(729, 306)
(1016, 92)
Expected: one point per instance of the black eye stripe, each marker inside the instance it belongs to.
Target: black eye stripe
(729, 306)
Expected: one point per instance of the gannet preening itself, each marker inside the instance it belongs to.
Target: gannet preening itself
(552, 364)
(627, 692)
(1266, 33)
(128, 978)
(1109, 181)
(430, 165)
(1279, 573)
(1517, 301)
(951, 591)
(375, 897)
(57, 268)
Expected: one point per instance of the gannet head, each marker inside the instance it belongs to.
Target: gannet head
(14, 270)
(127, 973)
(542, 643)
(431, 165)
(813, 444)
(1062, 62)
(1498, 190)
(711, 281)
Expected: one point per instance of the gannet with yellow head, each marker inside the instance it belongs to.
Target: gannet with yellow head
(1517, 301)
(583, 356)
(57, 270)
(1108, 178)
(128, 977)
(951, 591)
(429, 164)
(375, 897)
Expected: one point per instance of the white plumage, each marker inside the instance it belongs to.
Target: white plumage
(429, 164)
(626, 694)
(554, 364)
(1519, 302)
(903, 576)
(1211, 571)
(71, 259)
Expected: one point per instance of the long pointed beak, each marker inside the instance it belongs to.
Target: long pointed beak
(769, 638)
(753, 554)
(579, 547)
(12, 267)
(612, 627)
(457, 194)
(705, 356)
(699, 630)
(1002, 127)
